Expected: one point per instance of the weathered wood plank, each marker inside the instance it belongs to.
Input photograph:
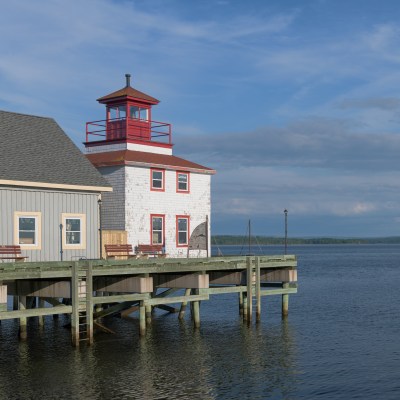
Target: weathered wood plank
(35, 312)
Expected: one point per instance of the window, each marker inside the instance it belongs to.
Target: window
(74, 231)
(182, 230)
(27, 229)
(157, 229)
(157, 179)
(117, 112)
(182, 182)
(139, 113)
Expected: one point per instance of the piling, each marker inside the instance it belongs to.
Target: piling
(258, 289)
(285, 301)
(249, 274)
(23, 334)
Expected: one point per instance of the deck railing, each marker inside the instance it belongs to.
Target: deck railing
(128, 129)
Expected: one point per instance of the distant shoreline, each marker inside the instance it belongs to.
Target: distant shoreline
(267, 240)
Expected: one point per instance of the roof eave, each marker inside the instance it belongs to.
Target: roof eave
(46, 185)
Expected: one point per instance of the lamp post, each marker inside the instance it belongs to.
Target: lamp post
(286, 212)
(99, 202)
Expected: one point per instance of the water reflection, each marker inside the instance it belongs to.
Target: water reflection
(223, 360)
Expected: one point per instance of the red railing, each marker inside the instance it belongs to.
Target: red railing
(127, 128)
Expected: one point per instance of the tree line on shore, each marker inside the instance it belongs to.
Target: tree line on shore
(271, 240)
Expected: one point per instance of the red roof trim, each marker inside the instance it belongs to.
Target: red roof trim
(141, 158)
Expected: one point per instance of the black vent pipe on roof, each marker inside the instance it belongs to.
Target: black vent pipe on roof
(128, 80)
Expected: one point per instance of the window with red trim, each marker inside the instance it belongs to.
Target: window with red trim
(157, 178)
(182, 230)
(182, 182)
(157, 229)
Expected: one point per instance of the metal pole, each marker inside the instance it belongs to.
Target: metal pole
(61, 242)
(286, 213)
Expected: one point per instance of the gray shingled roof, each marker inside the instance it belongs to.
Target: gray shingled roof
(36, 149)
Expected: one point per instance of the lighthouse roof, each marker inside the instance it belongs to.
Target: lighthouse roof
(128, 91)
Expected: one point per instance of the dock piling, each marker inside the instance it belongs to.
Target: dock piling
(249, 295)
(285, 301)
(23, 334)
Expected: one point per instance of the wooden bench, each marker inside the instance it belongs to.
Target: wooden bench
(119, 250)
(11, 252)
(155, 250)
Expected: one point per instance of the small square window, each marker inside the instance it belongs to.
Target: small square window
(157, 180)
(74, 231)
(182, 182)
(27, 229)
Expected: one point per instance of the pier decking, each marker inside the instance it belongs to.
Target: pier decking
(92, 289)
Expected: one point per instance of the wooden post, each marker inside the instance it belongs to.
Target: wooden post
(41, 317)
(183, 305)
(15, 301)
(89, 302)
(23, 334)
(240, 303)
(142, 318)
(245, 309)
(75, 304)
(258, 290)
(285, 301)
(149, 308)
(196, 311)
(249, 289)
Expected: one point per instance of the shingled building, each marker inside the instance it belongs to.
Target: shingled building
(49, 191)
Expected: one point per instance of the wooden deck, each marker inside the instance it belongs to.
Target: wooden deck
(89, 290)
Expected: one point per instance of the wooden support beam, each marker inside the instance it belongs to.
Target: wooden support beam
(89, 302)
(75, 304)
(23, 334)
(196, 310)
(285, 301)
(184, 305)
(167, 308)
(35, 312)
(241, 303)
(181, 281)
(142, 319)
(258, 289)
(41, 317)
(3, 297)
(249, 270)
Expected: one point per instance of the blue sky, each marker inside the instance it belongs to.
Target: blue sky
(295, 103)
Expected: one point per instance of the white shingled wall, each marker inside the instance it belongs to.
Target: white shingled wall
(141, 202)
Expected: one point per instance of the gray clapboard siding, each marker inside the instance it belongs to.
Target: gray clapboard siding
(51, 204)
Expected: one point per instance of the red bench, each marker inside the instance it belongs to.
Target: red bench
(155, 250)
(119, 250)
(11, 252)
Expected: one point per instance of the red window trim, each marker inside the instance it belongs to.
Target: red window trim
(188, 182)
(188, 230)
(153, 189)
(163, 227)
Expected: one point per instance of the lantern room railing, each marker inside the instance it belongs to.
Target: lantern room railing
(128, 129)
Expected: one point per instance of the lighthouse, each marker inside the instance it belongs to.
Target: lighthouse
(157, 198)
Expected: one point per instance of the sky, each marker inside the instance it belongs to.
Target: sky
(295, 103)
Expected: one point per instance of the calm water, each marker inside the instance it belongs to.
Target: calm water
(341, 341)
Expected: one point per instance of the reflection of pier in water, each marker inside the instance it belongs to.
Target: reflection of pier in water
(92, 290)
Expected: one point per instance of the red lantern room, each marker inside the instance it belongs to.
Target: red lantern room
(128, 119)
